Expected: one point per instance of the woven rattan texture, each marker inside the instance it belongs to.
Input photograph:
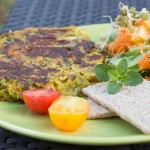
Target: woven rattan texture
(12, 141)
(65, 12)
(61, 13)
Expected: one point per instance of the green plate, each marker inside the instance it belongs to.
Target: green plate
(17, 118)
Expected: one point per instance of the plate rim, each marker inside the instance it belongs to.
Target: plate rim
(135, 139)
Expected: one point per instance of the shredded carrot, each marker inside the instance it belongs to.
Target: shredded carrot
(147, 78)
(143, 23)
(139, 23)
(135, 45)
(144, 63)
(121, 43)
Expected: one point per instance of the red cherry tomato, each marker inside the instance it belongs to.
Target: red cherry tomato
(39, 100)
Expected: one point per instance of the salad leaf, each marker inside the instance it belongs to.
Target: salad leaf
(113, 75)
(122, 67)
(121, 70)
(134, 68)
(133, 52)
(101, 72)
(136, 78)
(132, 57)
(126, 79)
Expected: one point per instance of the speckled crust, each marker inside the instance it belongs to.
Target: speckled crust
(60, 58)
(132, 103)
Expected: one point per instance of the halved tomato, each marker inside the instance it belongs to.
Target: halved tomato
(68, 113)
(39, 100)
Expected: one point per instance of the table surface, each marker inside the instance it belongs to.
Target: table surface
(62, 13)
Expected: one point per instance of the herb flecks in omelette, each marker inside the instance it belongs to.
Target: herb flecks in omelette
(58, 58)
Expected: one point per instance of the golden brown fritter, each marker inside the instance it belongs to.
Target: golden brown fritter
(60, 58)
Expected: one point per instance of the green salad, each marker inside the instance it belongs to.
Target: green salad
(128, 49)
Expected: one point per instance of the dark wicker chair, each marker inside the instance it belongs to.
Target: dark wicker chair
(61, 13)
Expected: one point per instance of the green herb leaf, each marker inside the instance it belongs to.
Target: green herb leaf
(134, 68)
(114, 87)
(113, 75)
(132, 57)
(134, 52)
(136, 78)
(115, 60)
(133, 61)
(126, 79)
(101, 72)
(122, 67)
(122, 70)
(121, 55)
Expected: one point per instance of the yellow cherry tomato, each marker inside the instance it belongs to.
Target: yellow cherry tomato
(68, 113)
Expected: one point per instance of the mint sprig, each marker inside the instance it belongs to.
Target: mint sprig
(117, 75)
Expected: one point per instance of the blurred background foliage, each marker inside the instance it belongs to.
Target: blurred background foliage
(5, 8)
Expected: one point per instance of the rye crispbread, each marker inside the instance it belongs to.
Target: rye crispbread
(132, 103)
(97, 111)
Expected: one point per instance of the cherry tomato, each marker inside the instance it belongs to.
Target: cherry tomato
(39, 100)
(68, 113)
